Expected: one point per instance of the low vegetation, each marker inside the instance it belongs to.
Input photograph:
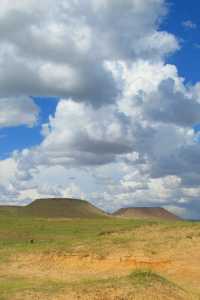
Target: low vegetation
(102, 258)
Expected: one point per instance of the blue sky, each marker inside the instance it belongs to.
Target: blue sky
(20, 137)
(188, 57)
(123, 129)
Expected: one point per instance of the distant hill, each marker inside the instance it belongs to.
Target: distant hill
(75, 208)
(55, 208)
(63, 207)
(146, 213)
(9, 210)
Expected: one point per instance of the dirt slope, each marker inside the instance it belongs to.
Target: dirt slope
(146, 212)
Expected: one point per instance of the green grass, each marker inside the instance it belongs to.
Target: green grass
(146, 278)
(16, 233)
(139, 278)
(10, 286)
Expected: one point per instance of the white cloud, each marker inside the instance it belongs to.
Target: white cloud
(8, 168)
(20, 111)
(63, 76)
(188, 24)
(61, 48)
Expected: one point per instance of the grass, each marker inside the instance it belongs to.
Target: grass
(140, 284)
(146, 278)
(16, 233)
(106, 237)
(128, 286)
(141, 278)
(10, 286)
(27, 234)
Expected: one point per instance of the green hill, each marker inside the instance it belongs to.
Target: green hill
(55, 208)
(75, 208)
(9, 210)
(62, 208)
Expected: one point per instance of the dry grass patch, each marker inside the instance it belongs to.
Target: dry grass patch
(105, 251)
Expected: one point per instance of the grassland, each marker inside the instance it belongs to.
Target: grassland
(100, 259)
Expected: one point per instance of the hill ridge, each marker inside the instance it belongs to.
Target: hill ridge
(56, 208)
(78, 208)
(63, 207)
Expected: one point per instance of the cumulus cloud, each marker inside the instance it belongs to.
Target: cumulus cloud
(18, 111)
(61, 48)
(92, 136)
(170, 106)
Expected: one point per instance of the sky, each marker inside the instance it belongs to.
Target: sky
(100, 100)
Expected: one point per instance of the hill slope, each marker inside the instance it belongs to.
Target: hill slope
(6, 210)
(146, 212)
(62, 208)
